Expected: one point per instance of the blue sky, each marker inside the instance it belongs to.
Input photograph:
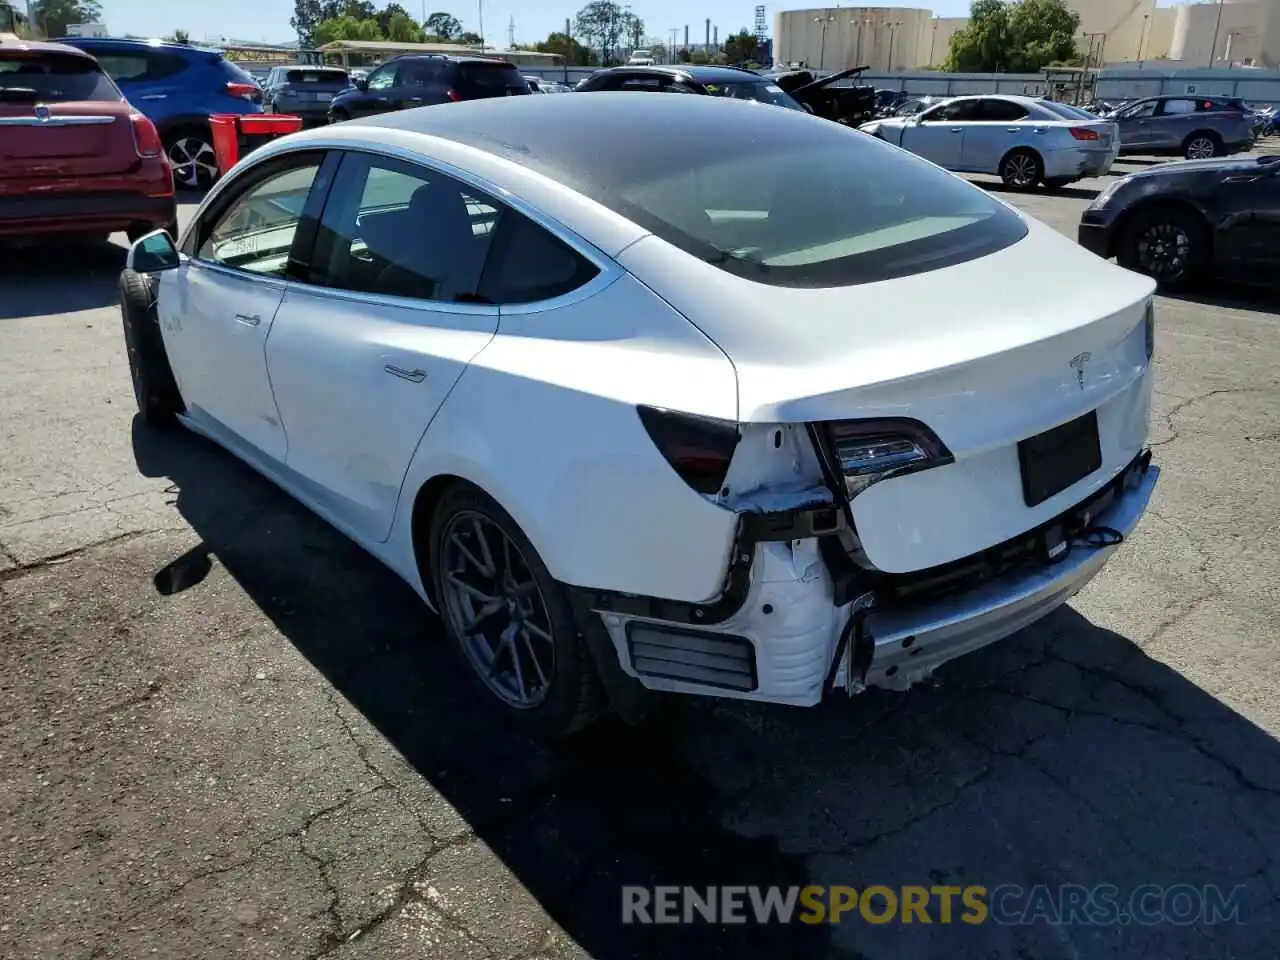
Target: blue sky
(269, 19)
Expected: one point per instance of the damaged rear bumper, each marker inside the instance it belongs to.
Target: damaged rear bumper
(789, 627)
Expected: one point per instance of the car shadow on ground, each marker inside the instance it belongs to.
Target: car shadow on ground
(1063, 755)
(58, 278)
(1255, 298)
(1078, 193)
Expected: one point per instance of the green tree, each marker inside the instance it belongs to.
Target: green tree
(467, 38)
(51, 17)
(740, 47)
(180, 36)
(402, 28)
(632, 29)
(1014, 38)
(443, 25)
(306, 14)
(574, 53)
(345, 28)
(683, 55)
(699, 57)
(600, 24)
(356, 9)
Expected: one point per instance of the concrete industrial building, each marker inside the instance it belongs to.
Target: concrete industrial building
(1123, 31)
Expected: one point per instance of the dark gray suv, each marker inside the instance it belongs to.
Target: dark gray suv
(1183, 126)
(303, 91)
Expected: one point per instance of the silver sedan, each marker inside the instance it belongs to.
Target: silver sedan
(1024, 140)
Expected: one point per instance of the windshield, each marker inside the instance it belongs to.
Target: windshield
(52, 78)
(761, 90)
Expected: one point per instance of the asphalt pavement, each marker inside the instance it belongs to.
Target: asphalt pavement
(226, 732)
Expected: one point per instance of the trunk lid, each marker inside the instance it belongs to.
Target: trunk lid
(985, 353)
(60, 116)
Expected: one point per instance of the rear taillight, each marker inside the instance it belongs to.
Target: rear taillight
(698, 448)
(453, 95)
(1082, 134)
(865, 451)
(146, 139)
(245, 91)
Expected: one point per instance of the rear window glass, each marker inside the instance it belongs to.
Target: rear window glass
(315, 76)
(1067, 111)
(52, 78)
(493, 76)
(237, 72)
(815, 205)
(765, 92)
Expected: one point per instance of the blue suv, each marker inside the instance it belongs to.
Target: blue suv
(178, 87)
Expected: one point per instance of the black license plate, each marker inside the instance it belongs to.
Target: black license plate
(1054, 460)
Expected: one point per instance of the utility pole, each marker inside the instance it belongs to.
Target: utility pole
(511, 33)
(480, 7)
(568, 48)
(1213, 47)
(893, 30)
(1142, 37)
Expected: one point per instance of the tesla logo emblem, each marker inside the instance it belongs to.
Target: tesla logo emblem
(42, 113)
(1077, 364)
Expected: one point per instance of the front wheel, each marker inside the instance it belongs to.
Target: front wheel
(1021, 170)
(1170, 245)
(154, 386)
(508, 617)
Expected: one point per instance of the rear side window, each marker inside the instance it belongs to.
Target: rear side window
(235, 71)
(492, 79)
(142, 66)
(529, 264)
(1178, 107)
(401, 230)
(1002, 111)
(33, 76)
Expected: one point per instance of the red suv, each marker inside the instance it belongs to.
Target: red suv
(75, 158)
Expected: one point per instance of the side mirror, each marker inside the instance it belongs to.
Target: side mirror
(361, 84)
(153, 253)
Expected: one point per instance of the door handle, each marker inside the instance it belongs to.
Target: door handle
(248, 319)
(414, 376)
(957, 129)
(155, 96)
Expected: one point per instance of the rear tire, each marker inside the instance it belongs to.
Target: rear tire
(154, 387)
(1171, 245)
(1021, 169)
(526, 654)
(190, 152)
(1201, 146)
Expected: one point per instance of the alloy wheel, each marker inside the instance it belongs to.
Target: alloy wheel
(193, 160)
(495, 608)
(1021, 170)
(1201, 148)
(1164, 250)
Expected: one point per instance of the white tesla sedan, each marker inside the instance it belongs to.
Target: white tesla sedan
(661, 393)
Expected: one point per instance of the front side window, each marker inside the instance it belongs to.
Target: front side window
(1145, 109)
(36, 76)
(397, 229)
(383, 79)
(255, 233)
(953, 112)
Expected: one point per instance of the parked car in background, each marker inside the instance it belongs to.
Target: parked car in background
(543, 85)
(1182, 222)
(909, 108)
(732, 82)
(1023, 140)
(661, 393)
(75, 157)
(424, 80)
(303, 91)
(640, 58)
(179, 87)
(1184, 126)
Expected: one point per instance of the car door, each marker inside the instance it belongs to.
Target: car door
(938, 134)
(378, 92)
(362, 356)
(999, 126)
(1246, 213)
(1175, 118)
(217, 309)
(1137, 126)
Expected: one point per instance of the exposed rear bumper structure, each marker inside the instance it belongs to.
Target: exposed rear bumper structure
(796, 631)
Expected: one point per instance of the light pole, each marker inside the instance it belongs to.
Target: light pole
(1213, 47)
(1142, 37)
(480, 9)
(933, 41)
(822, 44)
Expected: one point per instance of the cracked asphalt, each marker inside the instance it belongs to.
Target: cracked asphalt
(225, 732)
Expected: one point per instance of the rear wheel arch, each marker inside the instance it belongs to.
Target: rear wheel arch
(1212, 135)
(1021, 150)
